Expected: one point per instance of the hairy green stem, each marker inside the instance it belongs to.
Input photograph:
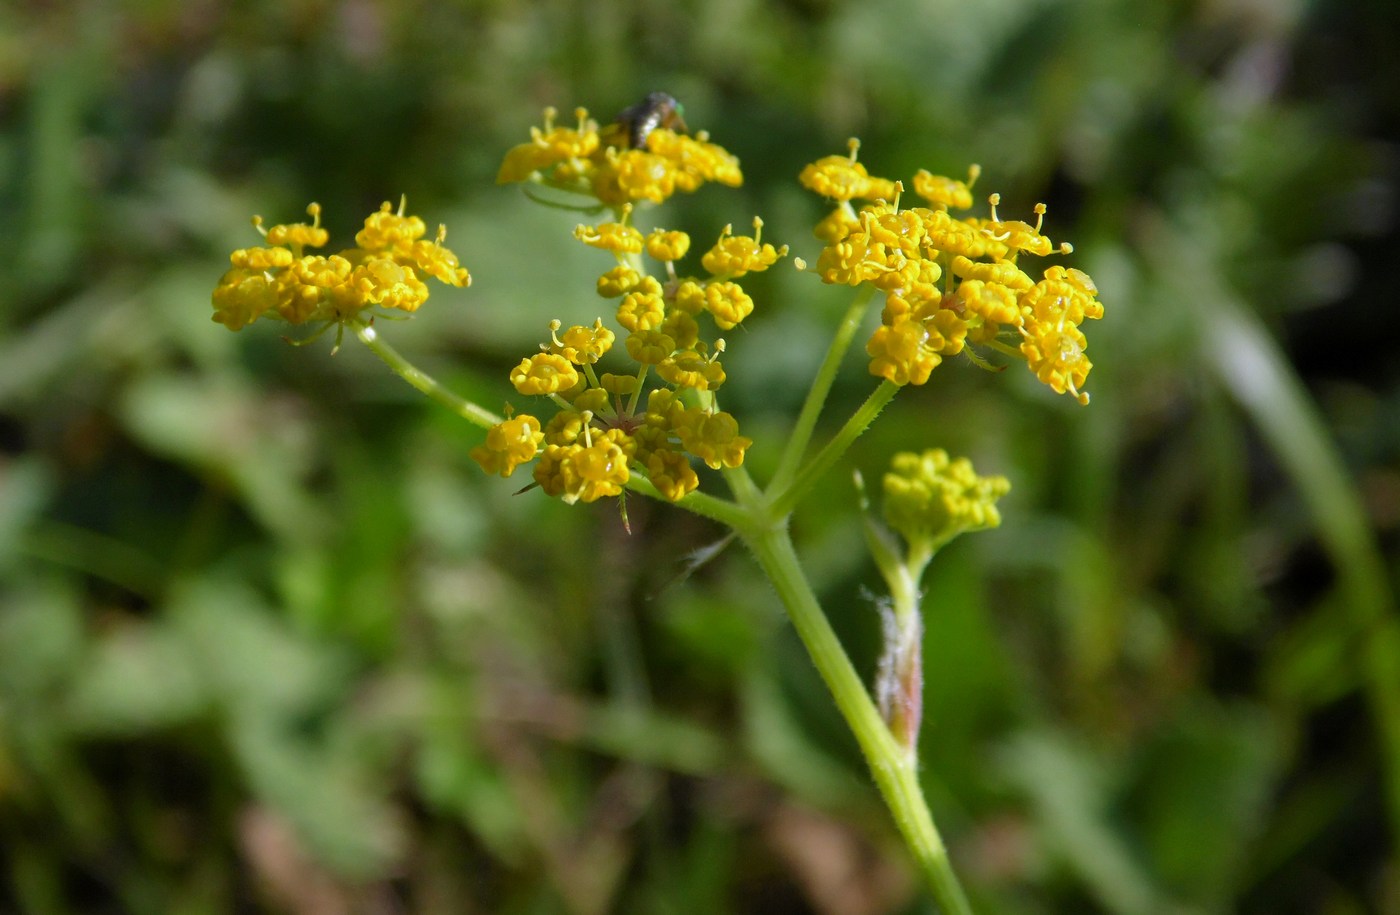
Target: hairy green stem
(747, 494)
(785, 499)
(895, 770)
(702, 504)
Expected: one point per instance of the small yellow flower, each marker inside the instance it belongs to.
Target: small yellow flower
(592, 468)
(946, 332)
(898, 353)
(1066, 294)
(947, 235)
(297, 235)
(568, 142)
(243, 296)
(734, 255)
(631, 175)
(695, 159)
(856, 259)
(895, 230)
(670, 472)
(992, 302)
(1003, 273)
(690, 297)
(681, 328)
(299, 302)
(544, 373)
(838, 177)
(390, 230)
(523, 161)
(914, 304)
(616, 237)
(386, 282)
(943, 192)
(603, 466)
(650, 347)
(591, 400)
(1080, 280)
(901, 274)
(843, 179)
(583, 345)
(668, 246)
(728, 303)
(618, 281)
(689, 369)
(837, 224)
(261, 258)
(321, 290)
(664, 408)
(508, 445)
(651, 436)
(1021, 236)
(437, 261)
(565, 428)
(1055, 353)
(712, 437)
(917, 279)
(619, 385)
(549, 146)
(640, 311)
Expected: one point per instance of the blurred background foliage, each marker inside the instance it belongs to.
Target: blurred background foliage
(270, 642)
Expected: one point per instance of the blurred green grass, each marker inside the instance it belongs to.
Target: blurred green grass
(270, 642)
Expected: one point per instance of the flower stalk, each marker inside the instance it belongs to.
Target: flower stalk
(893, 767)
(806, 422)
(421, 380)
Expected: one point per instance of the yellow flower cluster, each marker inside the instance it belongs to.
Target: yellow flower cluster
(930, 498)
(386, 268)
(604, 431)
(951, 281)
(599, 163)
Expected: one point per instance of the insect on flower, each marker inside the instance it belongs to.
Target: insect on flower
(658, 109)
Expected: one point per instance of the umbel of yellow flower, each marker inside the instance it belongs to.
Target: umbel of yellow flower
(601, 164)
(386, 268)
(610, 426)
(951, 284)
(662, 415)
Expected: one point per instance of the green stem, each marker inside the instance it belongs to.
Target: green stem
(904, 586)
(702, 504)
(747, 493)
(883, 546)
(784, 500)
(899, 679)
(422, 380)
(895, 770)
(821, 386)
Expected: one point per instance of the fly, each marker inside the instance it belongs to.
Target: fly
(658, 109)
